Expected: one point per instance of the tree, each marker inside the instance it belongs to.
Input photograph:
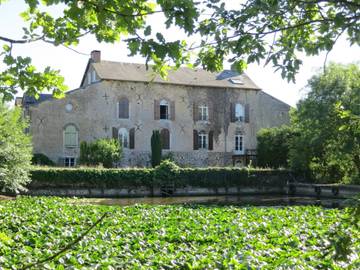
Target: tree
(15, 150)
(156, 148)
(100, 152)
(327, 124)
(269, 30)
(273, 146)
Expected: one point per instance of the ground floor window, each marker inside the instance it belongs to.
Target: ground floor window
(69, 162)
(203, 140)
(239, 144)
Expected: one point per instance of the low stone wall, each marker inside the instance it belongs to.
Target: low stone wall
(324, 190)
(157, 192)
(132, 158)
(298, 189)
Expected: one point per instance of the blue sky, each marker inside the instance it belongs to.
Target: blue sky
(72, 65)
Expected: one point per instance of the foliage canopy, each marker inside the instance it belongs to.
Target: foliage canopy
(269, 30)
(15, 150)
(327, 124)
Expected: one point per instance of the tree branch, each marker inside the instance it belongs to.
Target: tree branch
(67, 247)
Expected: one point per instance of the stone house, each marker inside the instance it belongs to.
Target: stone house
(205, 119)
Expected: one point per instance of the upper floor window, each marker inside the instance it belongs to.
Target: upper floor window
(203, 113)
(239, 112)
(203, 140)
(123, 108)
(70, 136)
(124, 137)
(164, 109)
(239, 144)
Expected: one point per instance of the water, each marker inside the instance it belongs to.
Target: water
(258, 200)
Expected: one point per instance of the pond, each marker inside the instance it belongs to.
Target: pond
(253, 200)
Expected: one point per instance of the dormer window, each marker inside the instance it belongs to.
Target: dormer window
(91, 77)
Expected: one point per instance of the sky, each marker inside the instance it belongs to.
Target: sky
(72, 64)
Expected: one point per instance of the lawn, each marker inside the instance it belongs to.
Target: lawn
(167, 237)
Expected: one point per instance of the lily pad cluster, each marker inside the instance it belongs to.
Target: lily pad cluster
(170, 236)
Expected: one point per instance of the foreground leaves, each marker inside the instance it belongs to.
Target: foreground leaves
(163, 237)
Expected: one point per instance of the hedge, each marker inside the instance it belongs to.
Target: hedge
(132, 178)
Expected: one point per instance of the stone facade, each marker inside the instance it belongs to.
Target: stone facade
(94, 110)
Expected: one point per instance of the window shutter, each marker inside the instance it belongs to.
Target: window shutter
(115, 133)
(195, 140)
(132, 138)
(172, 110)
(156, 110)
(195, 112)
(247, 113)
(165, 138)
(232, 112)
(211, 140)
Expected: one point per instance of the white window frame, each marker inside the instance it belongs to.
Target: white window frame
(165, 103)
(69, 162)
(76, 137)
(239, 112)
(203, 140)
(239, 144)
(124, 140)
(203, 112)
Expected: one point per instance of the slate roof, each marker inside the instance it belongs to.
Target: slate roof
(120, 71)
(30, 100)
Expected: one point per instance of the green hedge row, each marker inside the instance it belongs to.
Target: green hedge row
(128, 178)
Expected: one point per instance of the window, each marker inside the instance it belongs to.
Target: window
(164, 109)
(69, 162)
(124, 137)
(93, 76)
(89, 78)
(239, 144)
(203, 140)
(165, 138)
(70, 136)
(203, 113)
(239, 112)
(124, 108)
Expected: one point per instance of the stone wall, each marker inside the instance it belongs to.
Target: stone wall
(94, 113)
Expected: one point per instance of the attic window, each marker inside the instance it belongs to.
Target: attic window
(236, 81)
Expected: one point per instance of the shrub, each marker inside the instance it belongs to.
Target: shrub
(155, 148)
(15, 150)
(273, 147)
(41, 159)
(101, 151)
(166, 173)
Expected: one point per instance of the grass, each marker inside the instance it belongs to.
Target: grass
(170, 236)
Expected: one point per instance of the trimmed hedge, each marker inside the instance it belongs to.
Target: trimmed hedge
(132, 178)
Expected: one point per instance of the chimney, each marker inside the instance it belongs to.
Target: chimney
(95, 56)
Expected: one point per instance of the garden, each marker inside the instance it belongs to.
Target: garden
(55, 233)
